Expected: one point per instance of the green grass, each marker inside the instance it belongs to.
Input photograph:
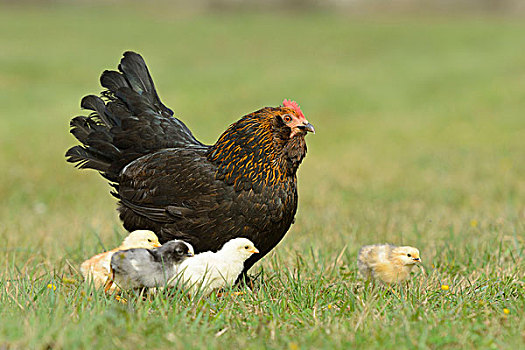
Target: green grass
(420, 141)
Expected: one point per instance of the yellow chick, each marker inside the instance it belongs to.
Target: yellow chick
(97, 268)
(387, 263)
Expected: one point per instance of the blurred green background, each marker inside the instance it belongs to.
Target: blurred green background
(419, 113)
(418, 116)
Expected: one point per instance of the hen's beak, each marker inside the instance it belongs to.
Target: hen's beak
(190, 254)
(254, 251)
(308, 127)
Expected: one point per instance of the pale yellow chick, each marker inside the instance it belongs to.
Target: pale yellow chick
(387, 263)
(97, 268)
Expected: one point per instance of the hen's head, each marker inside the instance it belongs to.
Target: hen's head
(293, 117)
(263, 148)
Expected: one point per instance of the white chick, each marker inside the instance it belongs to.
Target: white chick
(151, 268)
(97, 268)
(387, 263)
(209, 271)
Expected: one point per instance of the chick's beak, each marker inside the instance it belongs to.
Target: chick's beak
(417, 259)
(156, 245)
(190, 254)
(254, 251)
(308, 127)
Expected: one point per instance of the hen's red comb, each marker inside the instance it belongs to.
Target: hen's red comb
(294, 106)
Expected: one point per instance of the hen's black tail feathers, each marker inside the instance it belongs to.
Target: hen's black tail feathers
(131, 123)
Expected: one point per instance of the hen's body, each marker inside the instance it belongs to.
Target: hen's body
(170, 183)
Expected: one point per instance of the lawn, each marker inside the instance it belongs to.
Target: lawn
(420, 141)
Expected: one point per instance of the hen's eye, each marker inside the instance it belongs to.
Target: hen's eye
(246, 247)
(409, 255)
(287, 118)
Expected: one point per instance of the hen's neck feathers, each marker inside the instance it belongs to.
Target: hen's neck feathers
(257, 151)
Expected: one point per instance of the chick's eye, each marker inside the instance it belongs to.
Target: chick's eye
(409, 255)
(287, 118)
(149, 240)
(246, 247)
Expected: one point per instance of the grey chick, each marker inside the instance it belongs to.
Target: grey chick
(139, 267)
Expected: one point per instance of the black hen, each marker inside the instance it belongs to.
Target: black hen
(166, 181)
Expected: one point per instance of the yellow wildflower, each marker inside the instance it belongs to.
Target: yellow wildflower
(445, 287)
(51, 286)
(473, 223)
(506, 311)
(293, 346)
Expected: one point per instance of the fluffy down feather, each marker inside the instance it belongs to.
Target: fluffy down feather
(209, 271)
(387, 263)
(97, 268)
(148, 268)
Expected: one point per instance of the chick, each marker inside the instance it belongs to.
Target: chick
(387, 263)
(139, 268)
(209, 271)
(96, 268)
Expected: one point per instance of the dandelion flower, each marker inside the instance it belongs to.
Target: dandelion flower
(51, 286)
(445, 287)
(473, 223)
(329, 306)
(293, 346)
(506, 311)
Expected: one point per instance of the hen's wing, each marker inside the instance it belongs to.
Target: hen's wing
(174, 186)
(175, 193)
